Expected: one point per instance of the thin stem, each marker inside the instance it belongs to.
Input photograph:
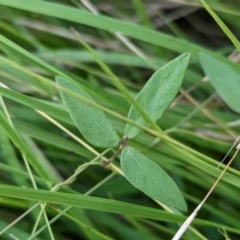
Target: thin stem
(41, 205)
(19, 218)
(62, 212)
(68, 181)
(189, 220)
(122, 144)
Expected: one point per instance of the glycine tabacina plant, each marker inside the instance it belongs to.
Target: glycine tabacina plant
(154, 98)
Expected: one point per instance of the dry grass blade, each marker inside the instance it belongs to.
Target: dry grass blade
(189, 220)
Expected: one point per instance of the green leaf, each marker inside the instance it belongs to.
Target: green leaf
(224, 79)
(158, 93)
(90, 121)
(151, 179)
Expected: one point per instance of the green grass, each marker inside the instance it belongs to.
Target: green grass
(40, 147)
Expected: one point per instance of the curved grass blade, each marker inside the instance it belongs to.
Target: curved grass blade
(101, 22)
(106, 23)
(151, 179)
(90, 121)
(40, 167)
(224, 79)
(158, 93)
(101, 204)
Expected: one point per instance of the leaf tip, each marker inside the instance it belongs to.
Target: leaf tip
(182, 206)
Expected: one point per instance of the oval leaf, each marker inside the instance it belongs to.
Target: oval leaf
(158, 93)
(90, 121)
(151, 179)
(224, 79)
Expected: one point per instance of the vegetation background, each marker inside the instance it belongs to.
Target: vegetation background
(37, 44)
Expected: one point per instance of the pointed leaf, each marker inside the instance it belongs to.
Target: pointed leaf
(158, 93)
(151, 179)
(224, 79)
(90, 121)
